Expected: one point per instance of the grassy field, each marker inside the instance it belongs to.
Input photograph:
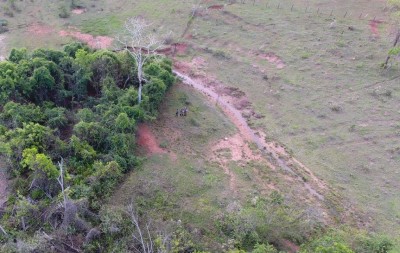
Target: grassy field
(330, 102)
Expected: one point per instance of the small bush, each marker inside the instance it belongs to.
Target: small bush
(221, 55)
(3, 22)
(3, 29)
(64, 12)
(8, 12)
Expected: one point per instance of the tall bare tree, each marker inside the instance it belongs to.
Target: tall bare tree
(60, 180)
(142, 43)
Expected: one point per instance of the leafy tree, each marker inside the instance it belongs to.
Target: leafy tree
(72, 48)
(264, 248)
(55, 117)
(16, 55)
(336, 247)
(15, 114)
(104, 180)
(8, 81)
(82, 156)
(35, 161)
(123, 123)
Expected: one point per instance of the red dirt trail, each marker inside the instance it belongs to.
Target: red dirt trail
(147, 140)
(281, 158)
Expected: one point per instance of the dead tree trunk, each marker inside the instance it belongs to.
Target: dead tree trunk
(394, 45)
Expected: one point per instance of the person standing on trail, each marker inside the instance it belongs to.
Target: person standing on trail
(185, 110)
(177, 113)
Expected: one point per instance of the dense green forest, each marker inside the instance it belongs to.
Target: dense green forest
(67, 134)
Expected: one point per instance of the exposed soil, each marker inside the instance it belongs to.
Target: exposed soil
(180, 48)
(373, 25)
(233, 148)
(147, 140)
(273, 59)
(40, 29)
(216, 7)
(78, 11)
(290, 247)
(101, 42)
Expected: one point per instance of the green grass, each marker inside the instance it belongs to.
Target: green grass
(104, 25)
(186, 186)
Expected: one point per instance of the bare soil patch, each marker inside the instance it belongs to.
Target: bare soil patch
(100, 42)
(40, 29)
(180, 48)
(374, 26)
(290, 246)
(174, 49)
(216, 7)
(272, 58)
(78, 11)
(147, 140)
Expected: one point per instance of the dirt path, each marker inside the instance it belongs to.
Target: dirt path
(277, 155)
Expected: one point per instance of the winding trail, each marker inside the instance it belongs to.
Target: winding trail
(276, 154)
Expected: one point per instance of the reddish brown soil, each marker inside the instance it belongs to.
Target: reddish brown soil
(373, 25)
(216, 7)
(40, 29)
(180, 48)
(92, 41)
(290, 247)
(147, 140)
